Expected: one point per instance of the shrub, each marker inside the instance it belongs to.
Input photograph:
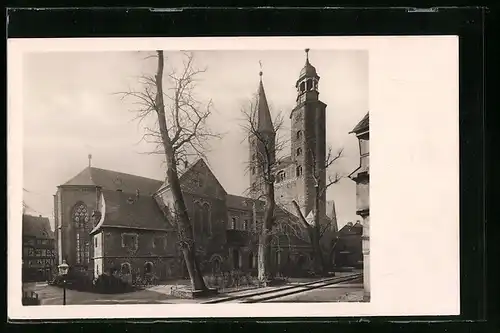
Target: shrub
(230, 279)
(75, 280)
(110, 284)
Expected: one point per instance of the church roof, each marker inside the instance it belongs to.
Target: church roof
(362, 126)
(37, 226)
(264, 122)
(113, 180)
(242, 203)
(332, 214)
(126, 210)
(184, 174)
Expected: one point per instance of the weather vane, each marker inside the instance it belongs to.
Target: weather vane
(260, 64)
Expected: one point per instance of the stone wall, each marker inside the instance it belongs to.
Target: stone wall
(66, 199)
(156, 247)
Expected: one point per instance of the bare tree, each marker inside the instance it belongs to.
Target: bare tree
(315, 228)
(181, 132)
(268, 146)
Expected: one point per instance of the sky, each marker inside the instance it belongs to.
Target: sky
(70, 110)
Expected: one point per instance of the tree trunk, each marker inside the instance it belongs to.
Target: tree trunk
(184, 227)
(313, 231)
(264, 254)
(319, 266)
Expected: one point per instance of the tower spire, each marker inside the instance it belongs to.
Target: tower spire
(307, 55)
(264, 122)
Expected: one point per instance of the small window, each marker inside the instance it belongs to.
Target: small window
(148, 267)
(299, 134)
(245, 225)
(280, 177)
(95, 241)
(125, 268)
(233, 223)
(299, 151)
(130, 241)
(309, 84)
(302, 86)
(299, 171)
(158, 242)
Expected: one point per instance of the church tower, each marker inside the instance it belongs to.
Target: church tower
(308, 139)
(261, 141)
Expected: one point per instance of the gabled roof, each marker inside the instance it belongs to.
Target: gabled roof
(363, 125)
(37, 226)
(113, 180)
(126, 210)
(351, 229)
(185, 173)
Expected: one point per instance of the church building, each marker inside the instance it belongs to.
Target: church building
(107, 220)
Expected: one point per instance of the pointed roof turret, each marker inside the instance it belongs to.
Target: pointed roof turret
(264, 122)
(308, 70)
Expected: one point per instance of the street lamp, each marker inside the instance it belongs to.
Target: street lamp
(63, 271)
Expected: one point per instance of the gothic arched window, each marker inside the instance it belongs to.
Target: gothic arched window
(206, 218)
(125, 268)
(299, 151)
(280, 177)
(148, 267)
(197, 219)
(299, 171)
(250, 260)
(83, 225)
(299, 134)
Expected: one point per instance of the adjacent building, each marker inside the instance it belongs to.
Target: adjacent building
(362, 178)
(39, 254)
(348, 250)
